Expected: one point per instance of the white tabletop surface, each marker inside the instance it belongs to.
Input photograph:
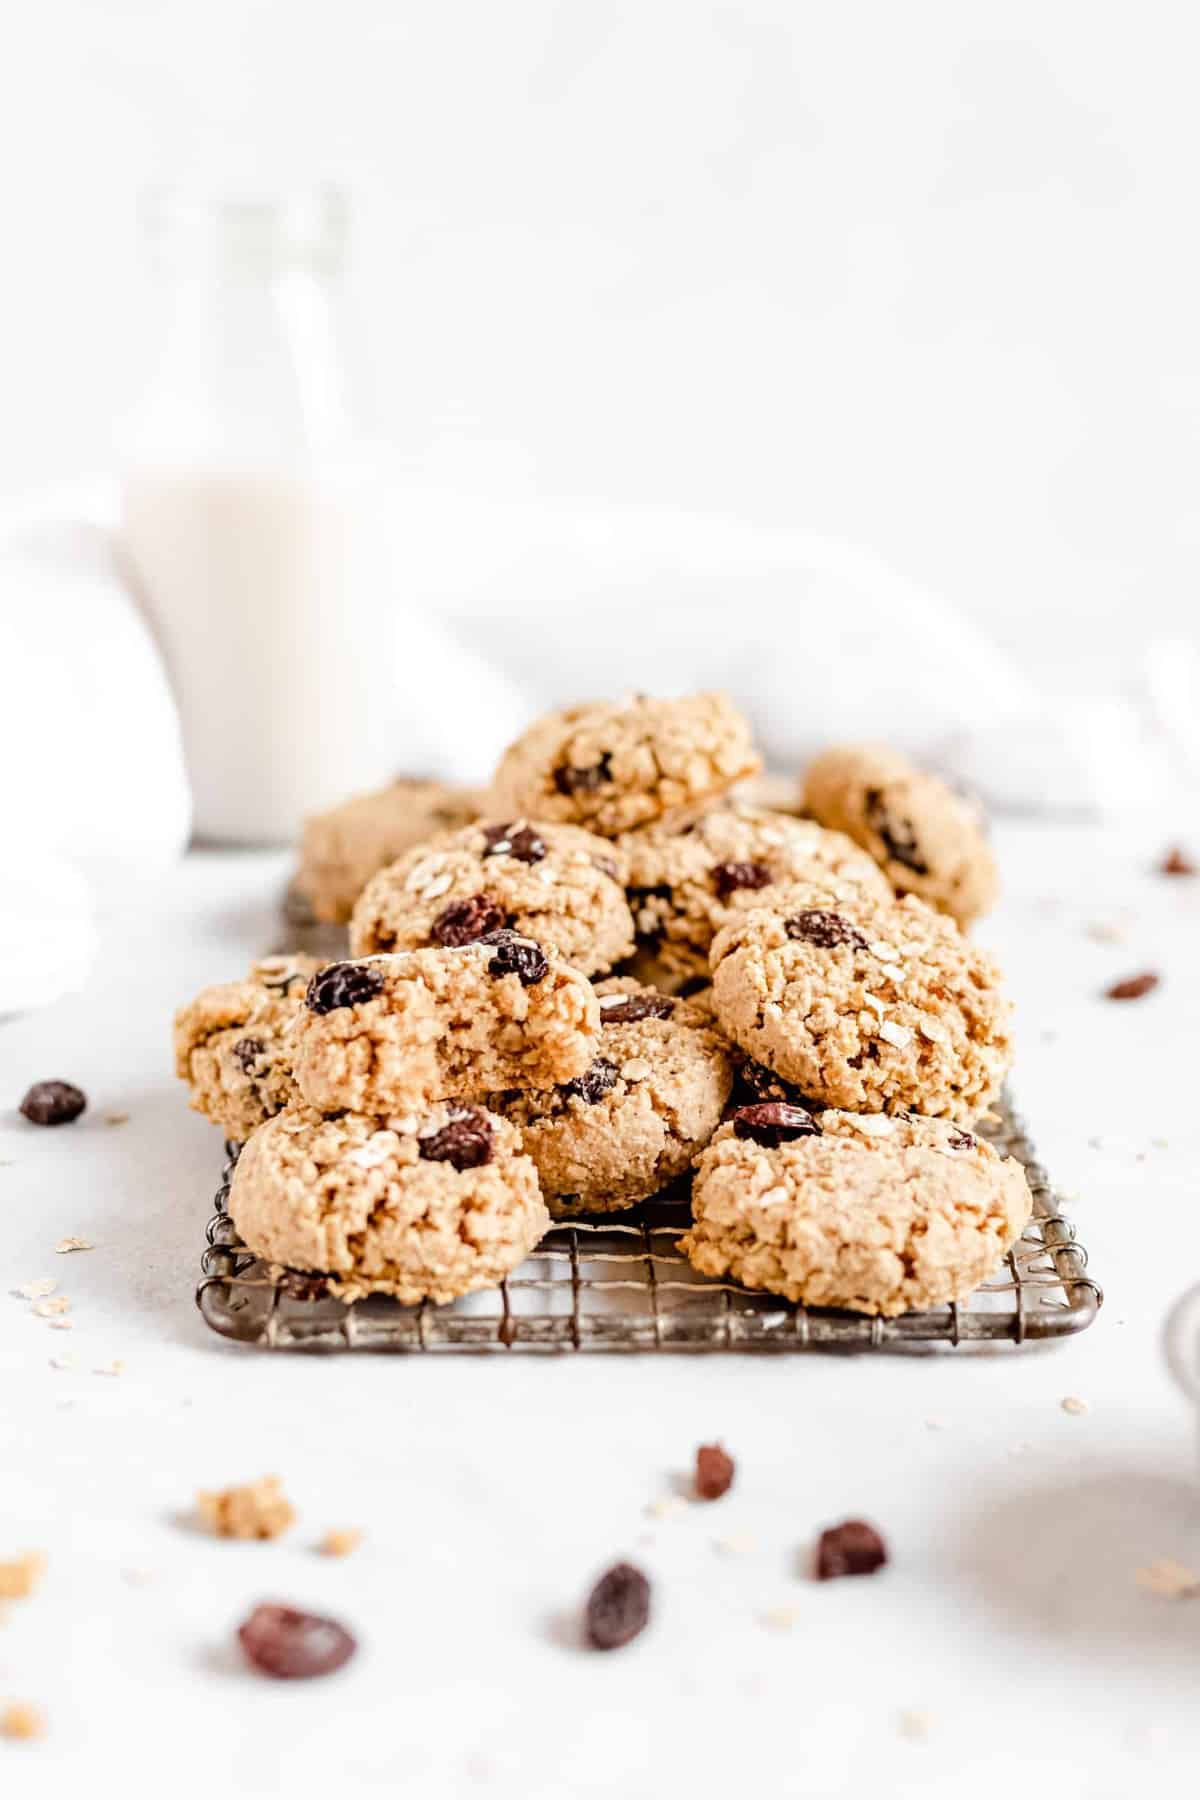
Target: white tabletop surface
(491, 1491)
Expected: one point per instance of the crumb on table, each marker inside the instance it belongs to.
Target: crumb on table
(260, 1509)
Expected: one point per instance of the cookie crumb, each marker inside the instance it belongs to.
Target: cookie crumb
(1071, 1403)
(714, 1472)
(138, 1578)
(22, 1722)
(340, 1542)
(20, 1576)
(49, 1309)
(1107, 931)
(65, 1245)
(738, 1545)
(116, 1118)
(63, 1362)
(1173, 1580)
(62, 1325)
(115, 1367)
(666, 1507)
(915, 1724)
(780, 1618)
(36, 1290)
(1133, 987)
(1177, 862)
(260, 1509)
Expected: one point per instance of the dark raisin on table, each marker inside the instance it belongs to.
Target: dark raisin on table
(618, 1607)
(714, 1472)
(292, 1645)
(1133, 987)
(1177, 862)
(851, 1548)
(53, 1103)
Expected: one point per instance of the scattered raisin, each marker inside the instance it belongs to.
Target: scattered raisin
(465, 1141)
(524, 843)
(618, 1607)
(627, 1009)
(852, 1548)
(958, 1140)
(827, 930)
(517, 956)
(1177, 862)
(729, 876)
(594, 1083)
(463, 921)
(714, 1472)
(899, 838)
(773, 1122)
(248, 1050)
(1133, 987)
(569, 780)
(343, 984)
(292, 1645)
(53, 1103)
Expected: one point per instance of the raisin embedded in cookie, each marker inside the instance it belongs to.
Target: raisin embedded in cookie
(233, 1043)
(927, 839)
(686, 883)
(866, 1212)
(865, 1006)
(386, 1033)
(554, 883)
(424, 1207)
(613, 766)
(341, 849)
(632, 1122)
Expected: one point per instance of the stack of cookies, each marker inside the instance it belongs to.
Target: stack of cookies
(614, 966)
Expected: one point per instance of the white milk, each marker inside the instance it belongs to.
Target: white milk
(273, 600)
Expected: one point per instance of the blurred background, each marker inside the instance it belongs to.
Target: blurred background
(918, 281)
(924, 277)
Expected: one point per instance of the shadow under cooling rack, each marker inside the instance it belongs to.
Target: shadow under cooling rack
(619, 1283)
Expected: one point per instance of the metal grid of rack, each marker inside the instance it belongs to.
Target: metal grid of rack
(619, 1283)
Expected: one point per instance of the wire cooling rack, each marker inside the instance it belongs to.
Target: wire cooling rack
(619, 1283)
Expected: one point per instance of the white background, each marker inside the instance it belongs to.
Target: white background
(923, 276)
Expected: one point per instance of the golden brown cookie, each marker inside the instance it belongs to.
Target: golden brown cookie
(384, 1034)
(650, 1099)
(424, 1207)
(866, 1006)
(872, 1213)
(926, 838)
(684, 884)
(341, 849)
(555, 883)
(614, 766)
(233, 1043)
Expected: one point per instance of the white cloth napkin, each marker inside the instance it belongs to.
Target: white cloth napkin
(520, 606)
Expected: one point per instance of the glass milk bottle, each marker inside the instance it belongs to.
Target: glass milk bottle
(251, 522)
